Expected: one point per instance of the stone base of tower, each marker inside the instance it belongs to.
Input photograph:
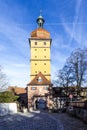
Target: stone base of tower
(39, 93)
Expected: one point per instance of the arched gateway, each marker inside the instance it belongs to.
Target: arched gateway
(40, 104)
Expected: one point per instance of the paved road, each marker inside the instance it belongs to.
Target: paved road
(36, 121)
(69, 122)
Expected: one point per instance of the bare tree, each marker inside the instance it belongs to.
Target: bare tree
(3, 82)
(64, 77)
(74, 71)
(78, 64)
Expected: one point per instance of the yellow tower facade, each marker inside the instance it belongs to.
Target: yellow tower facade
(40, 45)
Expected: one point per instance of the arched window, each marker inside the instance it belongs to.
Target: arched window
(39, 79)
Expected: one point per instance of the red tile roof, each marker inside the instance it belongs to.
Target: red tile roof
(17, 90)
(44, 80)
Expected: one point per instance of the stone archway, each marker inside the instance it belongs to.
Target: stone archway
(41, 104)
(36, 104)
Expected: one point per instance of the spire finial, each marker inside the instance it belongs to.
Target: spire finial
(41, 12)
(40, 20)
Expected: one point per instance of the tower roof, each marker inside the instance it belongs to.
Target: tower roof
(40, 79)
(40, 32)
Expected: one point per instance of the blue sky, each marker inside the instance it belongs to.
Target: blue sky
(66, 20)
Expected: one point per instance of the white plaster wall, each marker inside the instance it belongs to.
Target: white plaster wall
(7, 108)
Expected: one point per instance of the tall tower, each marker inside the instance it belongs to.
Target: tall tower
(40, 86)
(40, 44)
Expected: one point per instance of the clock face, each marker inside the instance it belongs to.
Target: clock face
(39, 79)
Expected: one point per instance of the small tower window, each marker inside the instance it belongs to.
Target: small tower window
(35, 71)
(35, 49)
(44, 56)
(35, 56)
(46, 88)
(35, 43)
(44, 49)
(44, 63)
(35, 63)
(33, 88)
(44, 43)
(44, 71)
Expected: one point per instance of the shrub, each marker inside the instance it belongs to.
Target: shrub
(7, 97)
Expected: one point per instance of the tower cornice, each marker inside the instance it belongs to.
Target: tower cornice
(40, 59)
(40, 39)
(35, 38)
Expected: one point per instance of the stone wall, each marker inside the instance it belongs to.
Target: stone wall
(7, 108)
(80, 113)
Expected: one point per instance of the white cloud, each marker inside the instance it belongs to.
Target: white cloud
(79, 35)
(60, 51)
(78, 31)
(18, 74)
(14, 50)
(20, 65)
(17, 35)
